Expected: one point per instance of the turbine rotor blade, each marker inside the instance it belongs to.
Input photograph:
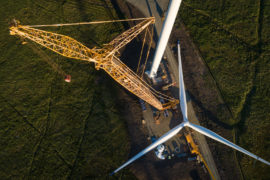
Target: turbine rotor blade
(182, 93)
(216, 137)
(161, 140)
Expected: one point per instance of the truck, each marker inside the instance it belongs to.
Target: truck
(160, 150)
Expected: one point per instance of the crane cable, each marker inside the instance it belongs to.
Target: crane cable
(149, 48)
(155, 92)
(85, 23)
(145, 34)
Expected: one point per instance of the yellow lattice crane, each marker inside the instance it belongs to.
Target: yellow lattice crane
(104, 58)
(194, 149)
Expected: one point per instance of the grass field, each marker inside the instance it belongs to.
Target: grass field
(233, 38)
(51, 129)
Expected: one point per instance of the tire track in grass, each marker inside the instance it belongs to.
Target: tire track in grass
(73, 4)
(222, 27)
(251, 92)
(259, 24)
(82, 138)
(110, 14)
(42, 135)
(36, 130)
(60, 157)
(22, 116)
(46, 9)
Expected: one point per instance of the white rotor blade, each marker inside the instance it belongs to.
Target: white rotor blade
(182, 93)
(161, 140)
(216, 137)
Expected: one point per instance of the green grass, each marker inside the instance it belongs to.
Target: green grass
(233, 37)
(49, 128)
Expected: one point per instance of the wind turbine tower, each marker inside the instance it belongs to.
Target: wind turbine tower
(164, 35)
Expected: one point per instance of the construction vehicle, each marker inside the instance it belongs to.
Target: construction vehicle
(194, 149)
(160, 149)
(105, 58)
(192, 146)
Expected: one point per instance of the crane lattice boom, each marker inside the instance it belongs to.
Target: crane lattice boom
(103, 58)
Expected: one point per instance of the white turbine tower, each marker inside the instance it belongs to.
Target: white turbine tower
(175, 130)
(166, 30)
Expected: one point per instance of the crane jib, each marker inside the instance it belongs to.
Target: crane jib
(103, 58)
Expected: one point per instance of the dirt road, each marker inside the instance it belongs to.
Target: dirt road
(156, 8)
